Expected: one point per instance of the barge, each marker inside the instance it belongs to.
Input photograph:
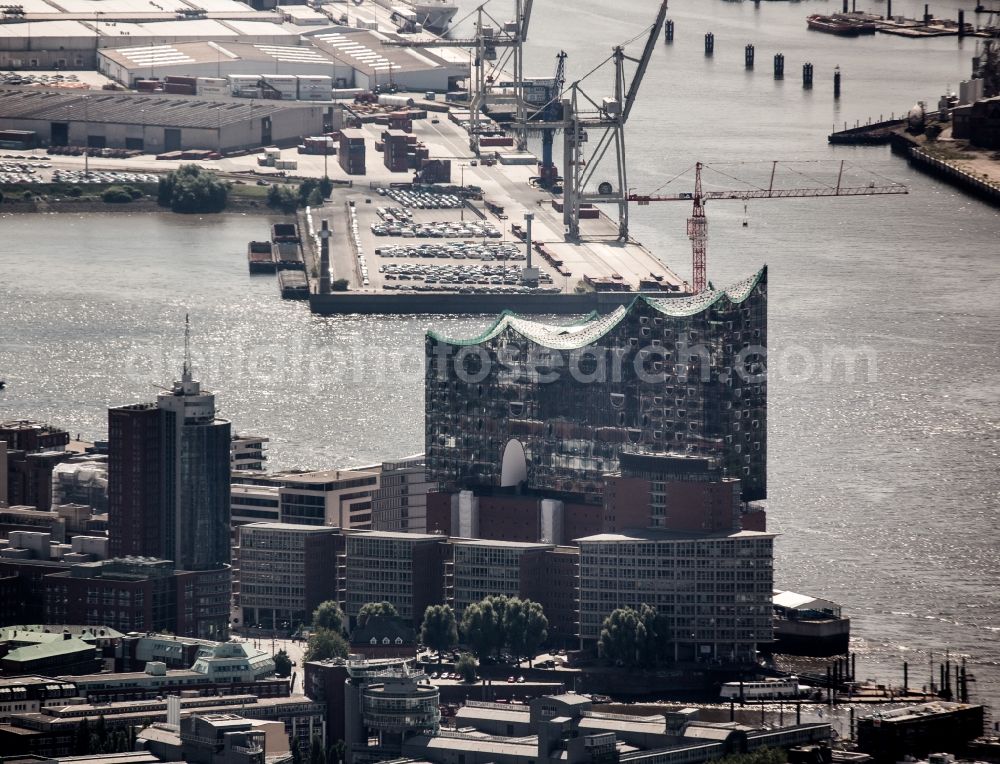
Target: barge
(833, 25)
(260, 257)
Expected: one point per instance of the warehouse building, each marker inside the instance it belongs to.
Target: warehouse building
(67, 43)
(220, 59)
(376, 64)
(158, 123)
(352, 58)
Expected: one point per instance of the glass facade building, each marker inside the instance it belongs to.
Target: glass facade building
(553, 406)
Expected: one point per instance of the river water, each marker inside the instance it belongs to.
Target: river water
(883, 473)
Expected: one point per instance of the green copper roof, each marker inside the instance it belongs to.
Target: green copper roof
(590, 328)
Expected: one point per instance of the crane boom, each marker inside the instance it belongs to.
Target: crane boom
(775, 193)
(643, 61)
(697, 224)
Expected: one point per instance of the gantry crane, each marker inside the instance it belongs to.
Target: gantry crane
(697, 224)
(551, 116)
(582, 113)
(490, 35)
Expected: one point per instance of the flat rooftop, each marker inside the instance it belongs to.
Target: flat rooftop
(136, 108)
(290, 527)
(654, 534)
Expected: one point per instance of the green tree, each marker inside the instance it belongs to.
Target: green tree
(760, 756)
(335, 753)
(293, 745)
(325, 644)
(329, 616)
(101, 735)
(440, 629)
(316, 753)
(656, 627)
(189, 189)
(315, 198)
(526, 628)
(480, 628)
(282, 663)
(466, 666)
(339, 285)
(376, 609)
(620, 637)
(81, 742)
(116, 195)
(282, 197)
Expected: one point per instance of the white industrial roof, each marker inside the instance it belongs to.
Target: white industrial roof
(41, 29)
(791, 599)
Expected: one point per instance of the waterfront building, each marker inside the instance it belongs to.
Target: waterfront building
(714, 589)
(169, 478)
(81, 480)
(247, 452)
(483, 568)
(168, 491)
(673, 491)
(30, 451)
(400, 503)
(342, 498)
(552, 407)
(286, 571)
(406, 569)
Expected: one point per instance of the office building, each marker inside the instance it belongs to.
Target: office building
(483, 568)
(168, 479)
(406, 569)
(672, 491)
(286, 571)
(168, 492)
(31, 450)
(715, 589)
(248, 452)
(552, 408)
(400, 503)
(132, 594)
(393, 704)
(342, 498)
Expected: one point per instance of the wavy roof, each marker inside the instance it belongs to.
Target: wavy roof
(591, 327)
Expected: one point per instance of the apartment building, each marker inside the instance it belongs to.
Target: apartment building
(716, 589)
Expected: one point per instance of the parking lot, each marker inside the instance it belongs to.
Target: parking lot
(29, 168)
(422, 200)
(465, 253)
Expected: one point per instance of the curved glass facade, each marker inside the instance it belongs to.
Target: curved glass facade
(682, 375)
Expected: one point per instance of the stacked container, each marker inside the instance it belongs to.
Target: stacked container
(352, 151)
(244, 85)
(395, 149)
(284, 87)
(314, 87)
(212, 86)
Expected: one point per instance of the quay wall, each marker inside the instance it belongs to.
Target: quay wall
(955, 175)
(469, 304)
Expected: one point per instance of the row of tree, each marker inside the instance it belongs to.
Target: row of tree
(635, 638)
(489, 627)
(311, 192)
(329, 627)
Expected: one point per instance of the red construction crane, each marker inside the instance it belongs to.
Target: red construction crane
(697, 224)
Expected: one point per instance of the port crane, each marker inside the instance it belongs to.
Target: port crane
(697, 224)
(583, 114)
(551, 115)
(491, 34)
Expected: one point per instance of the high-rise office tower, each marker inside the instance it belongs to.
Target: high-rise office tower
(168, 486)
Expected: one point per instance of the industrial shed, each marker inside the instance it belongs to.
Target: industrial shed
(73, 44)
(157, 123)
(375, 64)
(219, 59)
